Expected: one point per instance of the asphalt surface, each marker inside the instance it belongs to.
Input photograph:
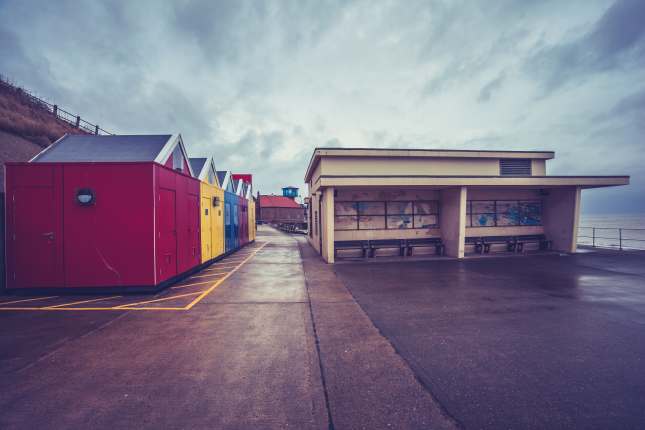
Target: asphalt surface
(543, 341)
(287, 341)
(244, 357)
(249, 355)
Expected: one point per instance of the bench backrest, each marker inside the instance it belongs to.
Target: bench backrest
(425, 240)
(386, 242)
(349, 243)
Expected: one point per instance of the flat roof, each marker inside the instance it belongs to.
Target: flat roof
(420, 152)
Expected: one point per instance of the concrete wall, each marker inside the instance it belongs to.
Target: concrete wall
(538, 167)
(452, 220)
(327, 225)
(561, 215)
(409, 166)
(314, 229)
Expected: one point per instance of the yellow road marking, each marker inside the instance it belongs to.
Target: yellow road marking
(210, 270)
(80, 302)
(190, 285)
(135, 306)
(156, 300)
(28, 300)
(94, 309)
(224, 278)
(205, 276)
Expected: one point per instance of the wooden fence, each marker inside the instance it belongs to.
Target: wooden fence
(61, 114)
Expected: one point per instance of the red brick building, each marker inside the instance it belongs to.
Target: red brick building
(279, 209)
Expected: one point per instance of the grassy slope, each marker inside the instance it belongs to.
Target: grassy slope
(25, 127)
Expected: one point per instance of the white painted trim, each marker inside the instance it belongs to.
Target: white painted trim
(37, 156)
(212, 165)
(168, 149)
(239, 187)
(227, 179)
(203, 174)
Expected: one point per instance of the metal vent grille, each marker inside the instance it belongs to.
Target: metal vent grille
(515, 167)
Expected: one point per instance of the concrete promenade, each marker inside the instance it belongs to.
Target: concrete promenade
(278, 339)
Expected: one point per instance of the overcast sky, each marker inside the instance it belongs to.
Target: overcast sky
(260, 84)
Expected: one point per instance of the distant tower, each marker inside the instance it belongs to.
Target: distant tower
(291, 192)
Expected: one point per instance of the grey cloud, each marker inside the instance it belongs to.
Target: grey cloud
(492, 86)
(260, 84)
(17, 64)
(616, 40)
(633, 104)
(232, 30)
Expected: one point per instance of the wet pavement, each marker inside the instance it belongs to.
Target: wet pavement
(545, 341)
(284, 340)
(243, 357)
(255, 352)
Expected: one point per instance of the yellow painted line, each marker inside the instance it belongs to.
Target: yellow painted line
(95, 309)
(219, 281)
(205, 276)
(221, 266)
(155, 300)
(210, 270)
(80, 302)
(134, 306)
(28, 300)
(190, 285)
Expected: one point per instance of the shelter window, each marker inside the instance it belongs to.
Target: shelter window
(503, 213)
(380, 215)
(178, 159)
(371, 215)
(400, 215)
(345, 215)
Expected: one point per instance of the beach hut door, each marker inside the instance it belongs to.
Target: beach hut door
(36, 238)
(167, 234)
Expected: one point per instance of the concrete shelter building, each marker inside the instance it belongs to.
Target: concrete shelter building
(370, 194)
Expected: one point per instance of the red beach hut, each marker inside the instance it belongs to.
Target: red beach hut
(102, 212)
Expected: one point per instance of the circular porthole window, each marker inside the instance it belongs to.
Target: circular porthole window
(85, 197)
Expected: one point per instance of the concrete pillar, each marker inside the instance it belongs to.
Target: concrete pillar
(327, 225)
(561, 214)
(452, 220)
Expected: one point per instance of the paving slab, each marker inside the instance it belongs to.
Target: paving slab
(368, 385)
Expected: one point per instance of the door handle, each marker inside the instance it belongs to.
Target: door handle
(49, 235)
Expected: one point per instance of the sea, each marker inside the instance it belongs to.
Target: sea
(609, 229)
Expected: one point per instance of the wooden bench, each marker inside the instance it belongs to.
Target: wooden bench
(477, 243)
(540, 239)
(362, 245)
(387, 243)
(483, 243)
(410, 244)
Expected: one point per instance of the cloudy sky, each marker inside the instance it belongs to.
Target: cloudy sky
(260, 84)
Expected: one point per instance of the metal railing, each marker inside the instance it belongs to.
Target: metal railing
(61, 114)
(608, 237)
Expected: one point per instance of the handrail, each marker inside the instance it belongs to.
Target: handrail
(624, 240)
(71, 119)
